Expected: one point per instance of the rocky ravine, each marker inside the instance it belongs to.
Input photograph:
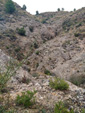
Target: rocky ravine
(57, 45)
(46, 97)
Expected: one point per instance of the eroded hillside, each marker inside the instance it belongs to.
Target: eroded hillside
(63, 55)
(11, 41)
(52, 49)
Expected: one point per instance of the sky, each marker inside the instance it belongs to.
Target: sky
(50, 5)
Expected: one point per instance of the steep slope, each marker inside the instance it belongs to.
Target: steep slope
(58, 41)
(64, 55)
(46, 97)
(54, 46)
(11, 41)
(65, 29)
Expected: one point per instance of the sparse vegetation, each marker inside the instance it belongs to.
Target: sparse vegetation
(27, 99)
(58, 9)
(35, 45)
(50, 50)
(20, 56)
(80, 33)
(66, 43)
(21, 31)
(3, 80)
(9, 7)
(74, 9)
(37, 12)
(44, 21)
(35, 75)
(83, 111)
(37, 65)
(24, 7)
(28, 62)
(62, 9)
(25, 80)
(10, 33)
(47, 72)
(77, 34)
(6, 104)
(31, 28)
(59, 84)
(60, 108)
(4, 109)
(78, 25)
(4, 77)
(67, 24)
(7, 47)
(78, 80)
(17, 49)
(37, 52)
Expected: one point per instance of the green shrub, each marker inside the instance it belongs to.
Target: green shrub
(37, 65)
(47, 72)
(5, 109)
(43, 111)
(76, 34)
(2, 109)
(59, 84)
(66, 25)
(83, 111)
(3, 80)
(60, 108)
(28, 62)
(37, 52)
(20, 56)
(7, 47)
(17, 49)
(27, 99)
(5, 77)
(9, 6)
(31, 28)
(78, 25)
(21, 31)
(35, 45)
(44, 21)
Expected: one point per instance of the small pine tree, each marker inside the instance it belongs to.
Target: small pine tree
(9, 7)
(37, 12)
(24, 7)
(62, 9)
(58, 9)
(74, 9)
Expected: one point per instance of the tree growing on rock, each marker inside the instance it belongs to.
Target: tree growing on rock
(24, 7)
(10, 7)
